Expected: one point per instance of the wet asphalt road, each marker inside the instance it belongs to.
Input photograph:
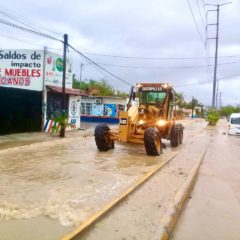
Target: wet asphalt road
(213, 212)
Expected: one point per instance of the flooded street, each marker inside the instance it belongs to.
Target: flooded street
(68, 180)
(213, 211)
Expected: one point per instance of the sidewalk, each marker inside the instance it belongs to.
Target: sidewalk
(22, 139)
(213, 212)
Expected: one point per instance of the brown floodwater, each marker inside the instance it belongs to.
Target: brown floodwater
(69, 179)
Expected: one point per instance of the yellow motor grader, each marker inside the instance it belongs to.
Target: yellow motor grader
(147, 123)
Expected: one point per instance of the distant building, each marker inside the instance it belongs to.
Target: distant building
(101, 109)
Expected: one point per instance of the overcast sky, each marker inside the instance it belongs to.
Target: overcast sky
(137, 28)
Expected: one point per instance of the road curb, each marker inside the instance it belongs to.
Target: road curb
(173, 212)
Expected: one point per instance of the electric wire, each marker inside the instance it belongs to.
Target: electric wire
(15, 19)
(199, 33)
(28, 23)
(154, 58)
(200, 13)
(29, 30)
(28, 42)
(20, 40)
(53, 38)
(206, 82)
(164, 67)
(97, 65)
(97, 69)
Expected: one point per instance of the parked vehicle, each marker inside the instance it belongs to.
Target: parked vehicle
(234, 124)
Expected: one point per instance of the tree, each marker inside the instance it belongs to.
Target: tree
(194, 104)
(179, 97)
(228, 110)
(96, 88)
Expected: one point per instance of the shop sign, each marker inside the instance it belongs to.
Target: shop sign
(54, 70)
(21, 69)
(74, 112)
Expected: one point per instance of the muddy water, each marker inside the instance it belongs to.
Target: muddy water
(65, 181)
(69, 180)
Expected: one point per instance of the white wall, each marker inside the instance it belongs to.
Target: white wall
(113, 100)
(74, 111)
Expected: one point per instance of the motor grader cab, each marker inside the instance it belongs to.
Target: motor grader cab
(147, 123)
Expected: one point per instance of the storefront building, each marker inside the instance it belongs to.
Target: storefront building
(27, 96)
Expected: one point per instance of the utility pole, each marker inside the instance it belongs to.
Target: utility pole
(214, 103)
(216, 60)
(44, 94)
(65, 44)
(192, 105)
(64, 71)
(220, 100)
(217, 91)
(80, 77)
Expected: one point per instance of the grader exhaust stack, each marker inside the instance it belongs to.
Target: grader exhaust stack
(147, 123)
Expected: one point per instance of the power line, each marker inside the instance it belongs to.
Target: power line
(195, 22)
(200, 13)
(231, 76)
(28, 30)
(206, 82)
(97, 69)
(28, 42)
(164, 67)
(20, 40)
(15, 19)
(154, 58)
(29, 23)
(97, 65)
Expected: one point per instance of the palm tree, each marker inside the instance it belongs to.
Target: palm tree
(179, 97)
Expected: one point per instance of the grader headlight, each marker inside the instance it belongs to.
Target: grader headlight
(161, 122)
(141, 122)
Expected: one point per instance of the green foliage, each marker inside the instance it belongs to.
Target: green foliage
(228, 110)
(193, 103)
(61, 124)
(212, 117)
(96, 88)
(179, 98)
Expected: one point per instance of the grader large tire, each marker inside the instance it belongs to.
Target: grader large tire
(176, 135)
(181, 135)
(152, 142)
(102, 138)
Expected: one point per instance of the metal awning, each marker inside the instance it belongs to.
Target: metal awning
(70, 91)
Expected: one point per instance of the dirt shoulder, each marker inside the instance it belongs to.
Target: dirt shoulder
(23, 139)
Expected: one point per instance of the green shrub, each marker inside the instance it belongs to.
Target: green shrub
(61, 124)
(212, 117)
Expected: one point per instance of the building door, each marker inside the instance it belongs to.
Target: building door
(20, 110)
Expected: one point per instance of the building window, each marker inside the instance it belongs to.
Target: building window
(86, 108)
(121, 107)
